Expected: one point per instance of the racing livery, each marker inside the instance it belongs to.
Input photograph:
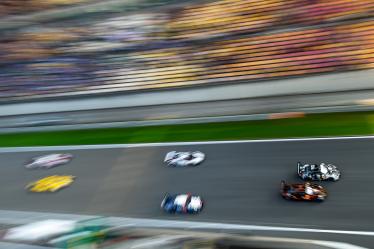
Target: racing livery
(315, 172)
(176, 159)
(48, 161)
(303, 191)
(182, 203)
(51, 183)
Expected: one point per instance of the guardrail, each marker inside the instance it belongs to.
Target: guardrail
(340, 82)
(239, 102)
(196, 120)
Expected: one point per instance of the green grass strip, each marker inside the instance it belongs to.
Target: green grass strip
(316, 125)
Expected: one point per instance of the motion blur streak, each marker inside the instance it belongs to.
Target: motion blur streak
(20, 218)
(24, 217)
(138, 46)
(147, 237)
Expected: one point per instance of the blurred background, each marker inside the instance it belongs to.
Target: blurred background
(67, 58)
(55, 48)
(100, 63)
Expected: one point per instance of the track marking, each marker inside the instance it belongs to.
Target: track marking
(337, 245)
(329, 244)
(137, 145)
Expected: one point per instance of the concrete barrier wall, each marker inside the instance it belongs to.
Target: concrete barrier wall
(316, 84)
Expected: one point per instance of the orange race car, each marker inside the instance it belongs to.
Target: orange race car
(303, 191)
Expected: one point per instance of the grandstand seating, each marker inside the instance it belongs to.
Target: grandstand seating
(18, 7)
(228, 16)
(334, 48)
(217, 42)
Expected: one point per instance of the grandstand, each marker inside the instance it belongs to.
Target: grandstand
(191, 45)
(19, 7)
(240, 16)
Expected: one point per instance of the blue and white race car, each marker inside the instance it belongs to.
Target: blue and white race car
(181, 159)
(182, 203)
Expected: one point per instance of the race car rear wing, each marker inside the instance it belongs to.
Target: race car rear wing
(299, 165)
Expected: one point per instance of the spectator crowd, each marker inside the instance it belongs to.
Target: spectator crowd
(199, 43)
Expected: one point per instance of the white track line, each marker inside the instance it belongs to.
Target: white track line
(137, 145)
(325, 244)
(337, 245)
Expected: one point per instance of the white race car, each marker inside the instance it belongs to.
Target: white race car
(175, 159)
(48, 161)
(318, 172)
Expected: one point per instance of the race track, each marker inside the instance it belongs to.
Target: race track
(239, 182)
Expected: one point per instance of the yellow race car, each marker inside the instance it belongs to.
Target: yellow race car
(51, 183)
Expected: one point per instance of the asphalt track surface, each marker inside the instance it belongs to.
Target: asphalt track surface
(239, 182)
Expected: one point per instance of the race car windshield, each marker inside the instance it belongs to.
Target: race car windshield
(331, 167)
(181, 200)
(309, 190)
(171, 156)
(323, 169)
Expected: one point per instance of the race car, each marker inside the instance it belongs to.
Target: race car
(315, 172)
(182, 203)
(48, 161)
(303, 191)
(51, 183)
(181, 159)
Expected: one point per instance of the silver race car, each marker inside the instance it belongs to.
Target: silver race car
(317, 172)
(48, 161)
(181, 159)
